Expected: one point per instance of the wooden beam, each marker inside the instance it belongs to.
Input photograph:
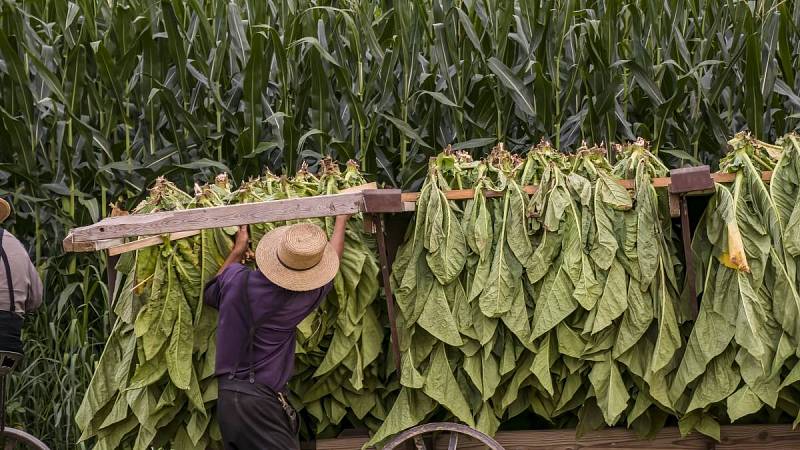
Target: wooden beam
(119, 246)
(465, 194)
(380, 201)
(70, 245)
(468, 194)
(733, 437)
(607, 439)
(149, 242)
(219, 216)
(758, 437)
(359, 188)
(674, 205)
(727, 177)
(662, 182)
(107, 233)
(657, 183)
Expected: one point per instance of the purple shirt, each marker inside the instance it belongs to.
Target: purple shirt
(277, 311)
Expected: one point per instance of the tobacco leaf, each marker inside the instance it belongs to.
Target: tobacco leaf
(612, 396)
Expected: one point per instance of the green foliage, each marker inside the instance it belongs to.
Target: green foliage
(741, 356)
(157, 368)
(99, 98)
(573, 308)
(610, 339)
(154, 384)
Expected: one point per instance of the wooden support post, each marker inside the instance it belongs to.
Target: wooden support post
(111, 279)
(377, 221)
(674, 205)
(686, 237)
(111, 276)
(686, 181)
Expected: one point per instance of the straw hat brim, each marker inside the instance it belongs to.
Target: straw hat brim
(5, 210)
(290, 279)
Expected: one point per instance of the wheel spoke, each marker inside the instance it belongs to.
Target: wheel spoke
(453, 444)
(419, 437)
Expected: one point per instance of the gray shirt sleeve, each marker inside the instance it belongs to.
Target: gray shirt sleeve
(35, 289)
(28, 289)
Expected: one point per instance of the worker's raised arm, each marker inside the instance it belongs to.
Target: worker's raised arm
(337, 240)
(239, 248)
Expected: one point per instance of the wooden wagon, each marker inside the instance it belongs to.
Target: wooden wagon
(383, 210)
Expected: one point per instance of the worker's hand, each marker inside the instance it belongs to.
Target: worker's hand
(337, 240)
(241, 246)
(240, 249)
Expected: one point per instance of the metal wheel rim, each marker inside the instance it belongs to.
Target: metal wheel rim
(455, 429)
(19, 437)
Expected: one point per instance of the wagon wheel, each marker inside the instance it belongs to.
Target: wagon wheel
(416, 436)
(11, 438)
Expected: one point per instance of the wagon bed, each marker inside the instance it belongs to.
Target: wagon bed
(732, 437)
(380, 207)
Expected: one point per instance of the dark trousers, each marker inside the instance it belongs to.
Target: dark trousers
(10, 329)
(251, 417)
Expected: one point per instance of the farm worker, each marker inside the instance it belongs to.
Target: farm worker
(258, 313)
(20, 286)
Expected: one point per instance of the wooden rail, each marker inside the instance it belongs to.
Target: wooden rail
(732, 437)
(149, 242)
(218, 217)
(662, 182)
(109, 234)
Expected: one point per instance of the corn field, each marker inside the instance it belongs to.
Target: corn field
(100, 97)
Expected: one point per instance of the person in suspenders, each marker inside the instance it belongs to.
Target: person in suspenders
(258, 313)
(20, 286)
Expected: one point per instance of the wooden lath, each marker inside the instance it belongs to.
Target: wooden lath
(218, 217)
(149, 242)
(409, 198)
(662, 182)
(111, 233)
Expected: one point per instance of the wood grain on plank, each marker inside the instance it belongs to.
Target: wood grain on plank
(359, 188)
(614, 438)
(759, 437)
(674, 205)
(70, 245)
(149, 242)
(733, 437)
(726, 177)
(220, 216)
(466, 194)
(657, 183)
(343, 443)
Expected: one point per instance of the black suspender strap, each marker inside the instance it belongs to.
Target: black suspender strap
(251, 335)
(7, 267)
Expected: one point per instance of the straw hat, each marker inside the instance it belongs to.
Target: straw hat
(297, 257)
(5, 210)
